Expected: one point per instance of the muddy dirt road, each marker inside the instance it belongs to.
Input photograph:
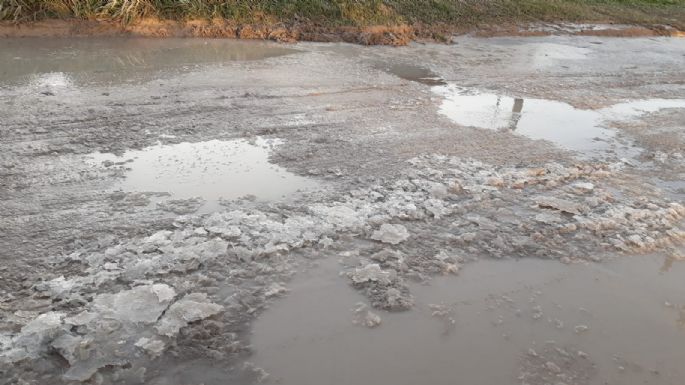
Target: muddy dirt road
(494, 211)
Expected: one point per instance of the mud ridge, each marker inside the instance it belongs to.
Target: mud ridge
(393, 35)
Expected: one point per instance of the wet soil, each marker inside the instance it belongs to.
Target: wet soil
(394, 35)
(213, 210)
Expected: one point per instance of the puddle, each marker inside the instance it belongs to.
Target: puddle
(624, 315)
(546, 55)
(212, 170)
(118, 60)
(560, 123)
(413, 73)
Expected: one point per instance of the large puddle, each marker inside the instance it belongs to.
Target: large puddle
(117, 60)
(213, 170)
(584, 131)
(499, 322)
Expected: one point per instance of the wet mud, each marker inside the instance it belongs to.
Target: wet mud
(206, 211)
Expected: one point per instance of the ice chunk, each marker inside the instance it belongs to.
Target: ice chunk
(60, 286)
(227, 231)
(142, 304)
(364, 316)
(392, 234)
(370, 273)
(396, 300)
(71, 347)
(34, 337)
(82, 318)
(192, 307)
(274, 290)
(340, 216)
(154, 347)
(387, 255)
(159, 238)
(436, 207)
(583, 187)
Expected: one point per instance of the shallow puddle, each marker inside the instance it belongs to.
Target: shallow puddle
(211, 170)
(115, 60)
(568, 127)
(413, 73)
(499, 322)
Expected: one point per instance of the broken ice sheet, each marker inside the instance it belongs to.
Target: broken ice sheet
(254, 244)
(142, 304)
(153, 346)
(389, 233)
(370, 273)
(191, 308)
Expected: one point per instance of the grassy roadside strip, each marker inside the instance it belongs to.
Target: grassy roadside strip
(426, 18)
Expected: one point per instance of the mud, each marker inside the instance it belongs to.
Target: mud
(302, 30)
(394, 35)
(146, 237)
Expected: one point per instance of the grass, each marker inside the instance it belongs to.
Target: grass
(356, 12)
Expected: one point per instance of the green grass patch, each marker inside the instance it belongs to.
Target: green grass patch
(356, 12)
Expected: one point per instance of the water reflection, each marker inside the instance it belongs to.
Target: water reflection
(560, 123)
(121, 59)
(413, 73)
(213, 170)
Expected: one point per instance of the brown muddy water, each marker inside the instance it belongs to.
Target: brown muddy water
(543, 322)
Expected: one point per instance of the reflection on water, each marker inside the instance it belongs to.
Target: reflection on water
(558, 122)
(413, 73)
(501, 310)
(212, 170)
(120, 59)
(51, 80)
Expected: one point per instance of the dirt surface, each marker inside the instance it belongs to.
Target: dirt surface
(398, 35)
(157, 196)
